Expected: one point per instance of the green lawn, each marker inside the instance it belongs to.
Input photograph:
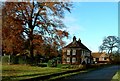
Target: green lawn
(18, 72)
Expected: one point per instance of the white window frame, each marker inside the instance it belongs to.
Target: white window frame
(68, 52)
(73, 60)
(68, 59)
(94, 59)
(88, 53)
(82, 53)
(74, 52)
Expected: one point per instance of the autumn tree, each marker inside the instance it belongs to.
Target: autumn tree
(12, 37)
(42, 18)
(109, 45)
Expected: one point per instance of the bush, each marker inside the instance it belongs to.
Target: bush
(42, 64)
(23, 60)
(10, 59)
(5, 59)
(49, 63)
(14, 59)
(82, 66)
(52, 63)
(59, 65)
(64, 66)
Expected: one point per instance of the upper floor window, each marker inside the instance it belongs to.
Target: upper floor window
(74, 52)
(83, 53)
(68, 52)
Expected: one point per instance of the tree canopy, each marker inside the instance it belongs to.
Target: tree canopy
(38, 23)
(110, 44)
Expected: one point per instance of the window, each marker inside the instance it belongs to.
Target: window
(68, 52)
(94, 59)
(68, 59)
(97, 59)
(73, 60)
(88, 60)
(102, 58)
(82, 53)
(88, 54)
(105, 58)
(74, 52)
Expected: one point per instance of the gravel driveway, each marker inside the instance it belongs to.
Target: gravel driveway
(104, 74)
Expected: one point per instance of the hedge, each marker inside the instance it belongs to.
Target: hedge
(15, 59)
(5, 59)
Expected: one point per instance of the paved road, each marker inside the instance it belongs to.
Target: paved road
(104, 74)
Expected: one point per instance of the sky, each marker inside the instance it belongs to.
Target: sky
(92, 22)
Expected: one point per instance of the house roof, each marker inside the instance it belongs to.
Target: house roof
(76, 44)
(97, 55)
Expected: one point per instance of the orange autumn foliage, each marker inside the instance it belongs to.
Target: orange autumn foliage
(34, 21)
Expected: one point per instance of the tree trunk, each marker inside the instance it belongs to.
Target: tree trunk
(31, 45)
(110, 55)
(9, 60)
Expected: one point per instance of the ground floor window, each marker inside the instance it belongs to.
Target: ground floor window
(73, 60)
(97, 59)
(94, 59)
(68, 59)
(88, 60)
(105, 58)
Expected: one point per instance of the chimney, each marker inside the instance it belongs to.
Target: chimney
(79, 40)
(74, 39)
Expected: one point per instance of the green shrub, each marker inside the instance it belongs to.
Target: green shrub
(22, 60)
(64, 66)
(14, 59)
(52, 63)
(10, 59)
(5, 59)
(42, 64)
(82, 66)
(59, 65)
(49, 63)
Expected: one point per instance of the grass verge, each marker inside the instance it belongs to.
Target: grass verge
(21, 72)
(27, 72)
(116, 77)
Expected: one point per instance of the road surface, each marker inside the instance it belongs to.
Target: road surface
(104, 74)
